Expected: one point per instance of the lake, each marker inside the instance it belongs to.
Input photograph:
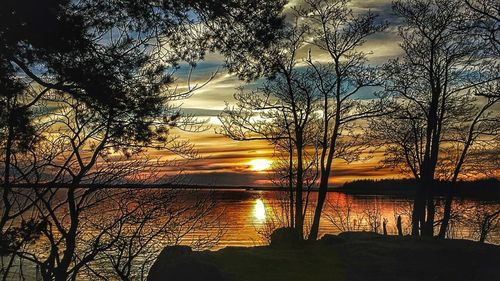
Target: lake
(247, 214)
(213, 219)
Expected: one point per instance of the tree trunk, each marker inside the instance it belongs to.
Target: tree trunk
(290, 186)
(61, 272)
(299, 222)
(458, 167)
(326, 168)
(484, 229)
(424, 200)
(429, 224)
(447, 212)
(323, 188)
(6, 184)
(418, 212)
(399, 226)
(60, 276)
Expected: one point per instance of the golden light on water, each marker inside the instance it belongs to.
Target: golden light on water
(260, 164)
(259, 210)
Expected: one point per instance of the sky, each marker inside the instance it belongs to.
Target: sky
(227, 162)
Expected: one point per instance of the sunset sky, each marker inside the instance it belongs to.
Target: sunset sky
(227, 162)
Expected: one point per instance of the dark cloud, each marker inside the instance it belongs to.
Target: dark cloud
(200, 112)
(234, 179)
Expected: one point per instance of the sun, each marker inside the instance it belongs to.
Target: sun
(260, 164)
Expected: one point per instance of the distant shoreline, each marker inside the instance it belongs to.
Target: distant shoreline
(487, 189)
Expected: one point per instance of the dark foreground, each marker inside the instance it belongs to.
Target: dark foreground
(348, 256)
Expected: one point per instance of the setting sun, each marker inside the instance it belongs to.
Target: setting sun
(260, 164)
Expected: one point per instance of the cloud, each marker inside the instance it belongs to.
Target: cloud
(200, 112)
(215, 179)
(223, 161)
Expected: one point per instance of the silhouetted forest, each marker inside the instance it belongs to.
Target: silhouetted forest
(487, 189)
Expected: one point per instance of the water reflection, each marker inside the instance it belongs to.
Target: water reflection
(250, 213)
(259, 211)
(223, 218)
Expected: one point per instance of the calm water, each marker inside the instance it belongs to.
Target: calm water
(248, 215)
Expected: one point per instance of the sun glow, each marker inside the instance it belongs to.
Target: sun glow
(260, 164)
(259, 210)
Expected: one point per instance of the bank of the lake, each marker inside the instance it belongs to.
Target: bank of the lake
(484, 189)
(348, 256)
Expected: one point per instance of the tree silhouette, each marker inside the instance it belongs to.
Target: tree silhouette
(282, 112)
(100, 71)
(335, 30)
(432, 81)
(484, 20)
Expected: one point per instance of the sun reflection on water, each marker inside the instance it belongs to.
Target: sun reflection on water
(259, 210)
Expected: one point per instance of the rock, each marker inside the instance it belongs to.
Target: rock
(331, 239)
(361, 235)
(170, 253)
(186, 270)
(286, 237)
(180, 263)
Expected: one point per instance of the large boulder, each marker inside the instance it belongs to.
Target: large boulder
(286, 237)
(332, 239)
(172, 253)
(180, 263)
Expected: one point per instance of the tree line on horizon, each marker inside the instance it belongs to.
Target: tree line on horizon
(87, 87)
(486, 188)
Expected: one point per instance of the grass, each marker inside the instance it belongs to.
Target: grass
(356, 256)
(362, 256)
(266, 263)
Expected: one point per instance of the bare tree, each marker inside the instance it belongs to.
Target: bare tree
(374, 218)
(282, 112)
(336, 30)
(104, 68)
(484, 20)
(482, 220)
(431, 82)
(402, 217)
(469, 138)
(343, 217)
(284, 170)
(481, 134)
(147, 217)
(86, 145)
(331, 89)
(18, 134)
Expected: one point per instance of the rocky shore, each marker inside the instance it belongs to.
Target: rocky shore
(347, 256)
